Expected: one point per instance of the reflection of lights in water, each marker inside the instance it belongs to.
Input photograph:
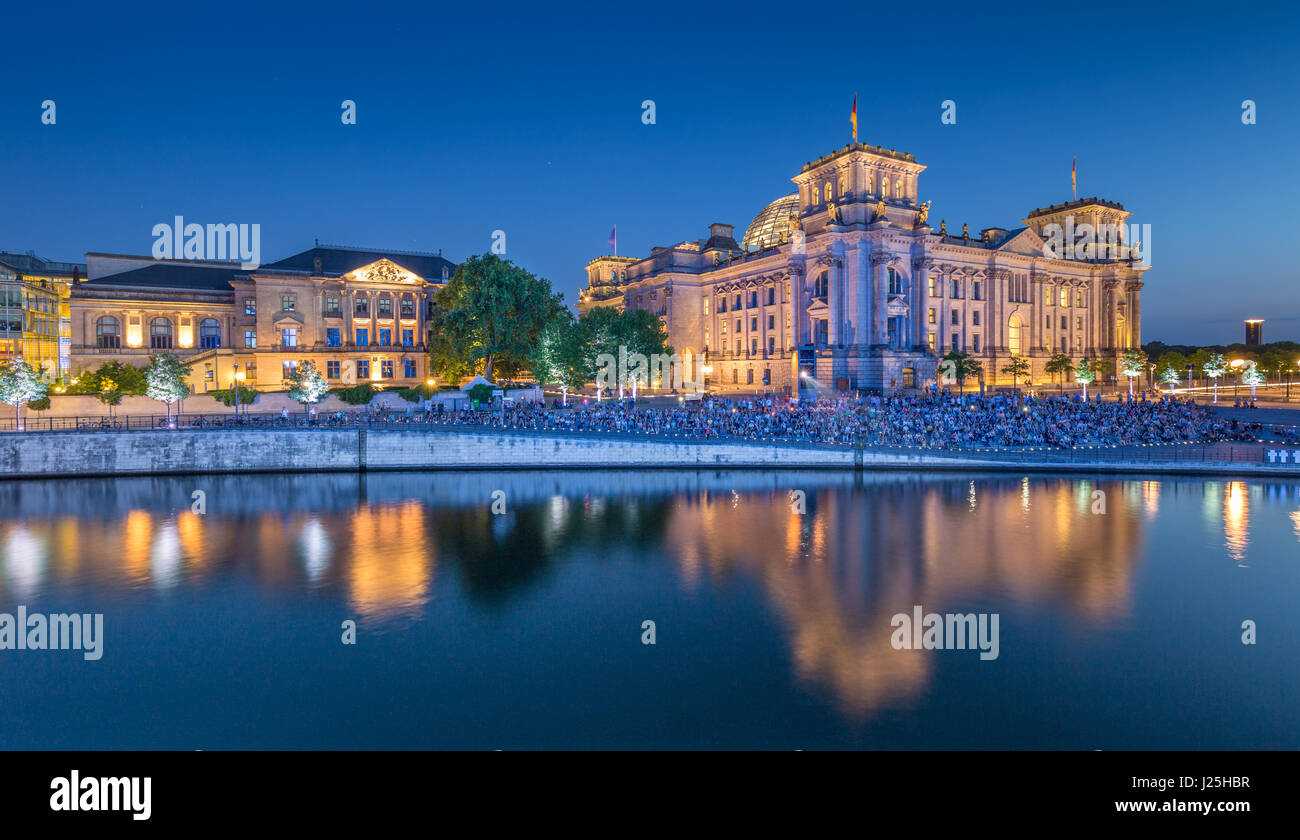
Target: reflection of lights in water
(1151, 497)
(390, 559)
(1024, 493)
(137, 533)
(559, 506)
(314, 543)
(735, 499)
(1236, 515)
(165, 555)
(972, 495)
(24, 561)
(1295, 522)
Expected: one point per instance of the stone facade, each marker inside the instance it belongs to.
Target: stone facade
(858, 291)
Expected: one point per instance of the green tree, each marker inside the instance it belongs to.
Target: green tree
(1085, 373)
(1171, 360)
(491, 311)
(1060, 364)
(19, 383)
(165, 380)
(620, 336)
(307, 385)
(1252, 377)
(959, 366)
(124, 379)
(558, 357)
(1017, 367)
(1131, 364)
(1215, 366)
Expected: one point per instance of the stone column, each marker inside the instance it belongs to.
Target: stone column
(862, 285)
(920, 301)
(881, 299)
(835, 312)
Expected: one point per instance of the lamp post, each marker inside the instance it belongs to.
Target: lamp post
(234, 386)
(1236, 382)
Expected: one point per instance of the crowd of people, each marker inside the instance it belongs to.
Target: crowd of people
(932, 420)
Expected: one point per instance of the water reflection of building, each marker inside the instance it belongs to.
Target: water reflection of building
(840, 572)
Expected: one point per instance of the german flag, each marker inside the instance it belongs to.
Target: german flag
(853, 117)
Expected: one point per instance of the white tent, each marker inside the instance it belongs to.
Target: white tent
(478, 380)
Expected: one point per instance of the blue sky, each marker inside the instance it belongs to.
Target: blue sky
(527, 119)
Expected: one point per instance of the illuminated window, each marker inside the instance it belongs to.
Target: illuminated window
(332, 337)
(250, 339)
(363, 368)
(332, 307)
(160, 334)
(289, 336)
(108, 332)
(288, 302)
(386, 369)
(408, 338)
(209, 334)
(332, 370)
(361, 307)
(250, 306)
(385, 307)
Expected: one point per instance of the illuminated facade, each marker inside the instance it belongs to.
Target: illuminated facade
(359, 315)
(846, 282)
(35, 317)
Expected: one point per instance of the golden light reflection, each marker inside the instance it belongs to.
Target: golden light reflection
(1236, 516)
(137, 545)
(848, 565)
(391, 562)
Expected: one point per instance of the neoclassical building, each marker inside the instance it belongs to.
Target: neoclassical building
(846, 282)
(358, 315)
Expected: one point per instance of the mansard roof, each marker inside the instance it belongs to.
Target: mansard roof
(340, 260)
(166, 275)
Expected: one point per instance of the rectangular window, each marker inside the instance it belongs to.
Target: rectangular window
(737, 302)
(332, 308)
(722, 305)
(771, 295)
(408, 338)
(250, 306)
(975, 343)
(932, 288)
(771, 322)
(363, 368)
(771, 345)
(975, 318)
(408, 368)
(332, 337)
(289, 336)
(1078, 323)
(753, 346)
(929, 340)
(976, 295)
(737, 325)
(288, 302)
(385, 338)
(932, 318)
(749, 377)
(287, 369)
(408, 308)
(753, 324)
(956, 318)
(332, 370)
(1065, 297)
(385, 307)
(361, 307)
(250, 339)
(386, 368)
(363, 337)
(737, 347)
(1063, 322)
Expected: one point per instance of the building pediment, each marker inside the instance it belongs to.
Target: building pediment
(1025, 242)
(383, 271)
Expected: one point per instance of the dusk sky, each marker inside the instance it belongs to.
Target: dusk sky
(527, 119)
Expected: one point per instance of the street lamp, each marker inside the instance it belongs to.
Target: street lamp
(234, 386)
(1236, 367)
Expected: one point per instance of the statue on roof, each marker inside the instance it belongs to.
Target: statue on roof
(834, 210)
(943, 227)
(923, 214)
(880, 211)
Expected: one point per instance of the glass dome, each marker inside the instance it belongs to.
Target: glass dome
(771, 223)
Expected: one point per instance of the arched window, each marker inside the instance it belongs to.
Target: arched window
(160, 334)
(870, 183)
(209, 334)
(1013, 335)
(108, 332)
(895, 282)
(884, 188)
(898, 188)
(827, 191)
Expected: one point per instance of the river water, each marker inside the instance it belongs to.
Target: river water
(509, 610)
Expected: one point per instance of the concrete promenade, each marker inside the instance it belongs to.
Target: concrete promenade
(418, 447)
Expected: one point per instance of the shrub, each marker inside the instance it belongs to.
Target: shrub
(481, 394)
(227, 396)
(40, 405)
(356, 395)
